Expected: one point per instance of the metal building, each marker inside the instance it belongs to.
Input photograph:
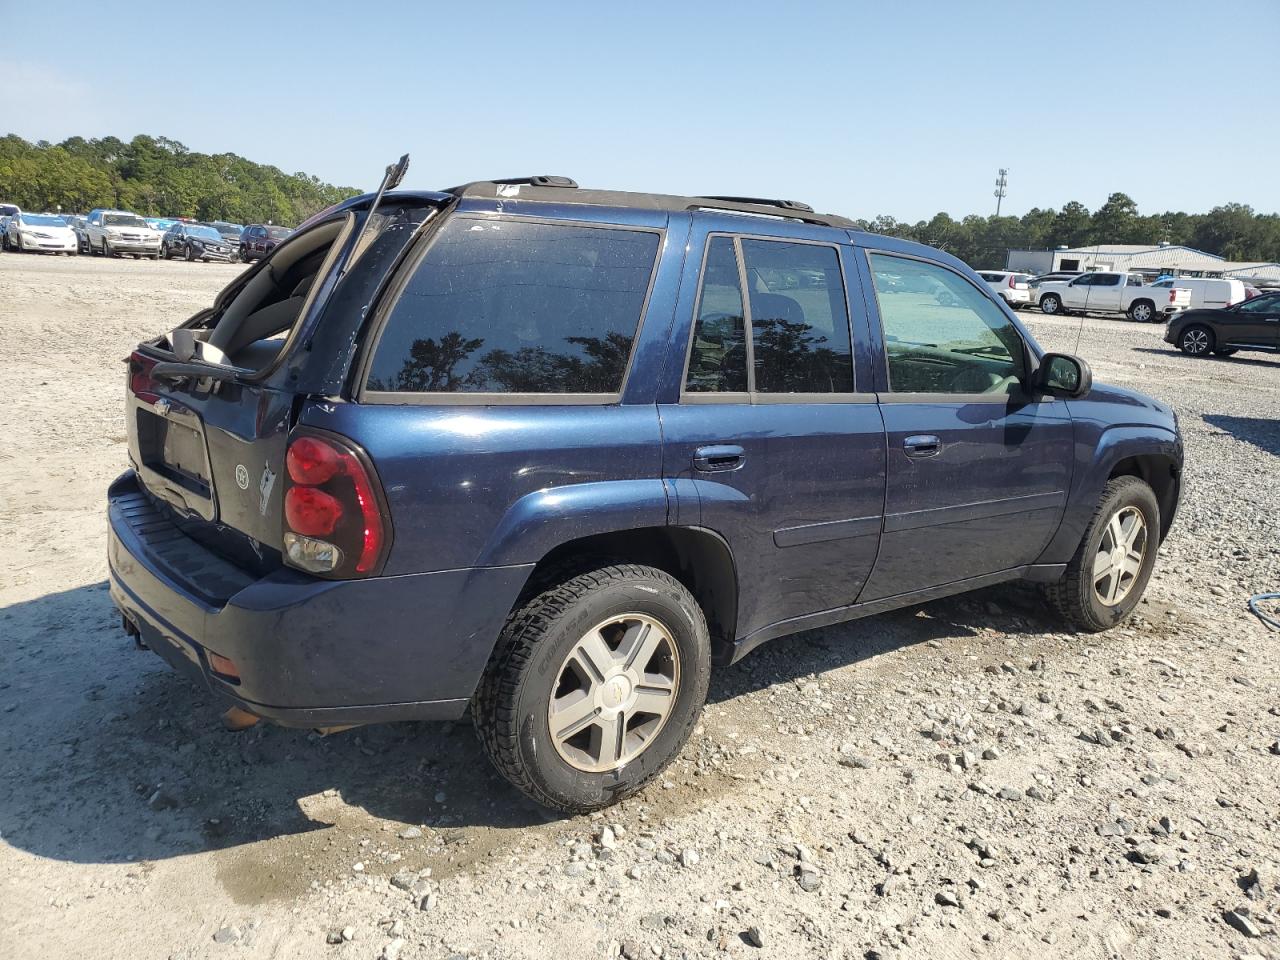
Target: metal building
(1149, 260)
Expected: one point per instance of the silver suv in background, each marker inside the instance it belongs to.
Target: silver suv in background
(114, 233)
(1010, 286)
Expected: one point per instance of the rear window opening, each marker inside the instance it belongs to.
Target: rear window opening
(251, 331)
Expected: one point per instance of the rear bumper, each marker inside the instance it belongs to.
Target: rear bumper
(309, 652)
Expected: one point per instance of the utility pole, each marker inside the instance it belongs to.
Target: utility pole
(1002, 182)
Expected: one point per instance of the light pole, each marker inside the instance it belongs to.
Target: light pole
(1002, 182)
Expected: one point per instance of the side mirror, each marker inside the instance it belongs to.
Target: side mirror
(1064, 375)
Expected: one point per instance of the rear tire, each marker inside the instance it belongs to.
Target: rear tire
(1051, 304)
(1107, 576)
(1196, 340)
(1142, 311)
(538, 666)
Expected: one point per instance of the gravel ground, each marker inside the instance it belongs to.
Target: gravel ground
(961, 779)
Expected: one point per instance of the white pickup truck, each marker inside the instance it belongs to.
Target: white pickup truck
(1104, 292)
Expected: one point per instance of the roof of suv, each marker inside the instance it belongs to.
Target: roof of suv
(550, 189)
(553, 189)
(562, 190)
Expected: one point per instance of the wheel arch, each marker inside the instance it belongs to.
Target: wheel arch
(1162, 473)
(699, 558)
(1151, 453)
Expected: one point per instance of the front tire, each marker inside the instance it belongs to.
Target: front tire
(1051, 304)
(1196, 341)
(1142, 311)
(594, 686)
(1106, 578)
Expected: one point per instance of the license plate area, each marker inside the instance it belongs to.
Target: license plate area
(174, 457)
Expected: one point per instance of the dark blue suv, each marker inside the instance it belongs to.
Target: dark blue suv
(551, 453)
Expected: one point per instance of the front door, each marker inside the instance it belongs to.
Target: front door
(1255, 322)
(772, 444)
(977, 470)
(1076, 294)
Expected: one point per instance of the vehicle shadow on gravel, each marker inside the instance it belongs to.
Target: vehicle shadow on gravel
(1262, 432)
(1014, 609)
(109, 757)
(1173, 353)
(106, 756)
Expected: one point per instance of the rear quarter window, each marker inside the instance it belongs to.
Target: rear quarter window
(517, 307)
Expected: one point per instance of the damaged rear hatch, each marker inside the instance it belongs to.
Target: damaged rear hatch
(210, 406)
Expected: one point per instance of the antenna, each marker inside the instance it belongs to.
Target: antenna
(1002, 181)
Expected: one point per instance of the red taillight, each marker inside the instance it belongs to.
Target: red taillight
(311, 461)
(1011, 281)
(311, 511)
(333, 514)
(140, 383)
(1173, 295)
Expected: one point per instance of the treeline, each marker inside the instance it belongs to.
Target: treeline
(1233, 231)
(155, 176)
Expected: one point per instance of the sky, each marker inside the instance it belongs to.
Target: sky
(903, 108)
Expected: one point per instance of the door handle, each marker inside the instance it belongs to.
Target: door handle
(719, 458)
(922, 445)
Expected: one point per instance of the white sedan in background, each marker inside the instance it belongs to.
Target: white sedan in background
(1010, 285)
(40, 232)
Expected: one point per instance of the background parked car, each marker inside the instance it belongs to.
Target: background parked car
(160, 223)
(259, 239)
(117, 232)
(196, 241)
(230, 233)
(1251, 325)
(79, 226)
(1208, 292)
(40, 232)
(1012, 287)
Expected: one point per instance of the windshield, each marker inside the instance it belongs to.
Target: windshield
(228, 229)
(42, 220)
(123, 220)
(278, 233)
(207, 233)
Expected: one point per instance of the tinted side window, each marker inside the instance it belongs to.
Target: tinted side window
(1260, 305)
(799, 321)
(941, 334)
(1106, 280)
(506, 306)
(718, 357)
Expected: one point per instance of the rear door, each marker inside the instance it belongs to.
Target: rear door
(1106, 293)
(771, 437)
(977, 469)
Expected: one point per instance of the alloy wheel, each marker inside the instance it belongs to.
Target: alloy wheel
(1120, 554)
(1195, 341)
(1142, 313)
(614, 692)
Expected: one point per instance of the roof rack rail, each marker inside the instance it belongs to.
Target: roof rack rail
(540, 180)
(784, 204)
